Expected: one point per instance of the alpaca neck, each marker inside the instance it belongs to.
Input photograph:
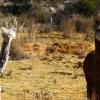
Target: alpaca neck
(6, 45)
(4, 53)
(97, 50)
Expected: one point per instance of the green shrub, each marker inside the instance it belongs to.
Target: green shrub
(87, 7)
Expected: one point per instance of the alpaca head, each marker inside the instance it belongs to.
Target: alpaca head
(97, 27)
(8, 33)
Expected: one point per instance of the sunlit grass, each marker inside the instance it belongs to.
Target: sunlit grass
(57, 76)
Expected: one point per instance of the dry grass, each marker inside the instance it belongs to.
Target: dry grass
(54, 71)
(68, 27)
(42, 81)
(77, 23)
(58, 76)
(69, 47)
(30, 47)
(16, 51)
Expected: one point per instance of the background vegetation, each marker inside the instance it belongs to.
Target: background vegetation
(53, 38)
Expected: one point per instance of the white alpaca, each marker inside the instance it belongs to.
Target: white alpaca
(8, 35)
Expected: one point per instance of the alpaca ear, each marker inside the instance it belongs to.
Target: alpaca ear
(4, 30)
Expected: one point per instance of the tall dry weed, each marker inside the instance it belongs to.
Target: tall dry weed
(68, 27)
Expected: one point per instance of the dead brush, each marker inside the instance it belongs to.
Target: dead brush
(65, 47)
(16, 52)
(86, 46)
(68, 27)
(30, 47)
(26, 68)
(26, 31)
(44, 95)
(83, 24)
(62, 47)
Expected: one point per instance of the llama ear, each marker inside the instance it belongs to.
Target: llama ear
(99, 27)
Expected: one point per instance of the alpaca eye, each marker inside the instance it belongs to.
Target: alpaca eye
(14, 30)
(97, 23)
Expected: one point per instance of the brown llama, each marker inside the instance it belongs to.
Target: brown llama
(91, 66)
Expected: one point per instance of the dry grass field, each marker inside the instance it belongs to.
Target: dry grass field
(53, 71)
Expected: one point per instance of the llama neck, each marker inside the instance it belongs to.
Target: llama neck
(97, 49)
(4, 53)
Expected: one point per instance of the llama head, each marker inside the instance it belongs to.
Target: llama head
(97, 27)
(8, 33)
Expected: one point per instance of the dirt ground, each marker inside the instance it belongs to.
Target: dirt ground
(54, 76)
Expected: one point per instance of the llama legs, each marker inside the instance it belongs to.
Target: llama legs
(97, 94)
(89, 91)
